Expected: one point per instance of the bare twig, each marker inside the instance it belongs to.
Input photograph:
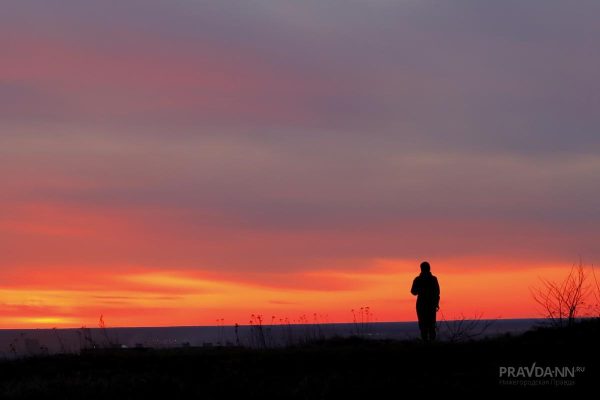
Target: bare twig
(462, 328)
(561, 302)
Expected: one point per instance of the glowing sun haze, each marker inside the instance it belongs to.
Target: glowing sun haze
(175, 162)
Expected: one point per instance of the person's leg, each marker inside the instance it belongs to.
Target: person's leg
(421, 315)
(431, 324)
(423, 328)
(432, 332)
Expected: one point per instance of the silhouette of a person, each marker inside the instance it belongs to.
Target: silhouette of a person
(427, 289)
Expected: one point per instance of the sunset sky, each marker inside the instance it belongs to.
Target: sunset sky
(175, 162)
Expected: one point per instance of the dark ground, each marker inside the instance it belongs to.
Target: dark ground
(338, 368)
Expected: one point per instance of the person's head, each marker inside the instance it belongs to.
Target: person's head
(425, 267)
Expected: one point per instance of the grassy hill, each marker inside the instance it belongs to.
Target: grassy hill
(336, 368)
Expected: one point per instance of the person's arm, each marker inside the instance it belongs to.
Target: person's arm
(437, 294)
(415, 287)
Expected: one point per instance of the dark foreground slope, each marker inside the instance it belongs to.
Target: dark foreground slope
(351, 368)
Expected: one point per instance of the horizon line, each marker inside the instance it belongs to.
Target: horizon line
(266, 325)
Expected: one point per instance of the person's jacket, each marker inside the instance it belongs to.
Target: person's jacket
(427, 290)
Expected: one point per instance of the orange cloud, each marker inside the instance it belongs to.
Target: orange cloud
(140, 297)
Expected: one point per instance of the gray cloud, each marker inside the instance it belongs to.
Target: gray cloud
(513, 76)
(299, 117)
